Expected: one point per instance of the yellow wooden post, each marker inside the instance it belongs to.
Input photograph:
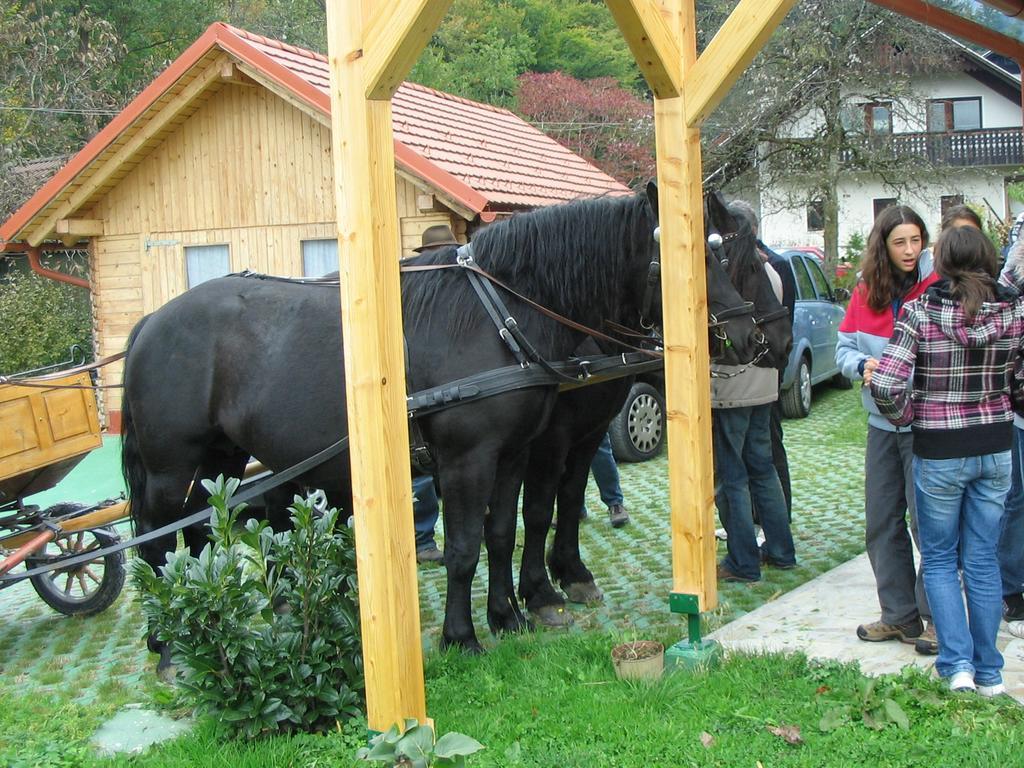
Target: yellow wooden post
(362, 39)
(687, 367)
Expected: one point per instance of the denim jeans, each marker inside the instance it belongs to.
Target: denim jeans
(606, 473)
(424, 510)
(1011, 540)
(744, 471)
(959, 515)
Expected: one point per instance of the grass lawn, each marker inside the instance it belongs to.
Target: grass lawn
(552, 700)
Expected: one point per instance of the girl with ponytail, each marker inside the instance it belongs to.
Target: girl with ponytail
(952, 372)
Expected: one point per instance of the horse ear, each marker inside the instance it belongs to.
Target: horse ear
(652, 196)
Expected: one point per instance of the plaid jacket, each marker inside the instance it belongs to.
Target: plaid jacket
(951, 380)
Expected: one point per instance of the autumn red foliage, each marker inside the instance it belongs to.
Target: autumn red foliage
(597, 119)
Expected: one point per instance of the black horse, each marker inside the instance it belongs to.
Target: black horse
(241, 367)
(560, 459)
(739, 256)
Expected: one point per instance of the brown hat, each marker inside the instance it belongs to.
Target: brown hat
(437, 236)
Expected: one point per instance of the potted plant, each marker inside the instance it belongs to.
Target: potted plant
(638, 659)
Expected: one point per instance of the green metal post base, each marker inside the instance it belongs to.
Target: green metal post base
(693, 657)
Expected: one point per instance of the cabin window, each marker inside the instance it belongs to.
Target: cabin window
(954, 115)
(319, 257)
(205, 262)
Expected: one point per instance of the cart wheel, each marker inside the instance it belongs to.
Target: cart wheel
(87, 588)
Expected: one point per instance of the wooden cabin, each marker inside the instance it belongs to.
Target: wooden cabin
(224, 163)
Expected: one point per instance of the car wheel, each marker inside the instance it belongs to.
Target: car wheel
(841, 382)
(638, 431)
(796, 401)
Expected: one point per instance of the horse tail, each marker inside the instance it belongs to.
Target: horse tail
(132, 467)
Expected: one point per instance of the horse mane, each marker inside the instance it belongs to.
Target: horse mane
(744, 260)
(573, 258)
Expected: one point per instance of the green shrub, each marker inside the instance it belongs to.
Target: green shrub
(264, 626)
(41, 320)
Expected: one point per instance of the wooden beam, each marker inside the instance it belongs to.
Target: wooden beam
(955, 25)
(653, 45)
(164, 114)
(742, 35)
(371, 314)
(687, 361)
(395, 40)
(80, 227)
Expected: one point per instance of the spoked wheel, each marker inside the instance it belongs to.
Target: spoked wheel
(84, 589)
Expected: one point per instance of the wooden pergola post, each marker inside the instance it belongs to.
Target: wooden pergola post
(372, 44)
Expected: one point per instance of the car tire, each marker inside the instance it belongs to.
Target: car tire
(796, 401)
(841, 382)
(638, 431)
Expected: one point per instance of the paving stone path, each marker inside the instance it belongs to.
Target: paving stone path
(44, 653)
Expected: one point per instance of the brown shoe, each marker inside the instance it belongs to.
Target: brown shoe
(617, 515)
(724, 574)
(927, 644)
(429, 554)
(879, 631)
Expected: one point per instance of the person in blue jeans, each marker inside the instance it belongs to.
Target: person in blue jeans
(424, 516)
(606, 475)
(950, 372)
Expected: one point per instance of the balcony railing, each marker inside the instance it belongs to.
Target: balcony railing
(994, 146)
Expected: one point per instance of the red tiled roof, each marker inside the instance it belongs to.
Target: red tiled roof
(485, 158)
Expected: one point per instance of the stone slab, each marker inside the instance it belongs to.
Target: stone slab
(135, 730)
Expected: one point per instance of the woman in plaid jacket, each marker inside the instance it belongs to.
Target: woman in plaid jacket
(950, 371)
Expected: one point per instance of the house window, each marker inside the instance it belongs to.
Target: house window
(948, 201)
(816, 216)
(878, 118)
(319, 257)
(954, 115)
(205, 262)
(881, 203)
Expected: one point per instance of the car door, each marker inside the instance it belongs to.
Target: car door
(816, 308)
(831, 316)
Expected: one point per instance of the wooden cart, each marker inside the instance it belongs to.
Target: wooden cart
(47, 426)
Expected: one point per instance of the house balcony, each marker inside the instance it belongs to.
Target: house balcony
(986, 147)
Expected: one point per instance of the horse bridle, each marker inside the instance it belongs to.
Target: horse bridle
(653, 284)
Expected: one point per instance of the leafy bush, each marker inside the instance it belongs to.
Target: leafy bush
(264, 625)
(413, 745)
(42, 319)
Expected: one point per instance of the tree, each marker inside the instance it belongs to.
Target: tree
(597, 119)
(798, 112)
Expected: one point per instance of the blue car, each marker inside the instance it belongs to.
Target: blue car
(819, 311)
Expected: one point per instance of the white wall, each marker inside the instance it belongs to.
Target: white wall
(782, 225)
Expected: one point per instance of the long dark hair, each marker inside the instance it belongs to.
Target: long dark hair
(883, 282)
(967, 259)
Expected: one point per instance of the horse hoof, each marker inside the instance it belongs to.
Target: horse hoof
(585, 592)
(554, 616)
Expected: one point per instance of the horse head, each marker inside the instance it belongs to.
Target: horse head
(733, 243)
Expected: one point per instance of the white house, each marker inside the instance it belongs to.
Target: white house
(968, 123)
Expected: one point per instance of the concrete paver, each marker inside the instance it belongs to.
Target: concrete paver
(820, 619)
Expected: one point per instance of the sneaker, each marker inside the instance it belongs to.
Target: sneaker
(429, 554)
(879, 631)
(962, 681)
(1013, 607)
(1016, 628)
(724, 574)
(927, 644)
(989, 691)
(720, 534)
(617, 515)
(772, 563)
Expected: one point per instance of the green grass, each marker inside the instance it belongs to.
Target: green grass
(552, 700)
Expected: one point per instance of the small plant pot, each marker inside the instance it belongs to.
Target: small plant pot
(639, 659)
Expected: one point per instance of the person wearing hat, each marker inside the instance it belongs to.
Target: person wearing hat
(437, 236)
(425, 508)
